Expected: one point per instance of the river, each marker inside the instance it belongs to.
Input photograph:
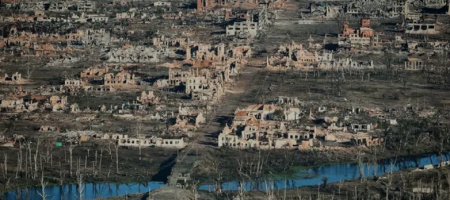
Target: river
(304, 177)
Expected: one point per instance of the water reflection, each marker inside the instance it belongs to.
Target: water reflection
(310, 177)
(90, 191)
(335, 173)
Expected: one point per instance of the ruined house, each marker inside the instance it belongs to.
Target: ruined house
(93, 72)
(44, 128)
(414, 64)
(119, 79)
(367, 140)
(257, 126)
(98, 88)
(73, 83)
(134, 54)
(74, 108)
(58, 103)
(171, 142)
(85, 6)
(149, 97)
(153, 141)
(286, 100)
(209, 4)
(14, 78)
(162, 4)
(293, 56)
(363, 36)
(325, 10)
(125, 15)
(346, 63)
(198, 84)
(11, 103)
(188, 121)
(421, 29)
(205, 87)
(264, 135)
(60, 6)
(246, 28)
(163, 41)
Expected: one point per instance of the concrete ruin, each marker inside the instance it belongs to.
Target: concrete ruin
(15, 78)
(135, 54)
(421, 29)
(147, 98)
(271, 127)
(120, 79)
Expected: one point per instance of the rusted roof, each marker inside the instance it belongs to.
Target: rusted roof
(255, 107)
(47, 47)
(127, 46)
(240, 114)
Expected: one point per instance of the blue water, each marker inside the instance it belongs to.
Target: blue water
(307, 177)
(91, 191)
(334, 173)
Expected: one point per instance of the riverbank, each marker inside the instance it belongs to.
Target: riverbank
(320, 176)
(229, 164)
(95, 162)
(406, 184)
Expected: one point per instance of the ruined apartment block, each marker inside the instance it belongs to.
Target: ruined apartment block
(246, 28)
(421, 29)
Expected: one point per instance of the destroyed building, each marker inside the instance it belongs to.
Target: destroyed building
(421, 29)
(177, 143)
(209, 4)
(362, 37)
(119, 79)
(296, 56)
(271, 127)
(201, 85)
(134, 54)
(148, 97)
(14, 78)
(58, 103)
(93, 72)
(246, 28)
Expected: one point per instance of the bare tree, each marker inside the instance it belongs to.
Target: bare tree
(43, 185)
(117, 157)
(62, 175)
(30, 70)
(36, 154)
(269, 190)
(5, 168)
(139, 129)
(80, 182)
(19, 159)
(17, 167)
(100, 162)
(360, 165)
(241, 190)
(71, 147)
(194, 189)
(390, 177)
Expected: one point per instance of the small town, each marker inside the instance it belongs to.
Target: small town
(225, 99)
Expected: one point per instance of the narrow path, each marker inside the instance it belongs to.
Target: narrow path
(249, 78)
